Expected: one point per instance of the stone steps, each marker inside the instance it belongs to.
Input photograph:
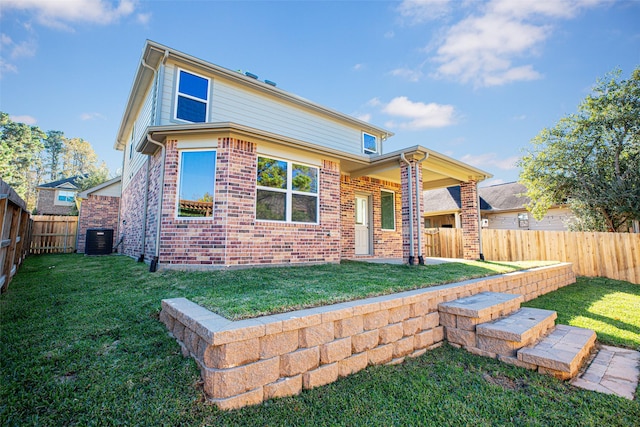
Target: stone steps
(507, 335)
(562, 352)
(492, 324)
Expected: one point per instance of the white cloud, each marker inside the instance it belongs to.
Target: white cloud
(92, 116)
(5, 67)
(491, 182)
(27, 120)
(420, 115)
(407, 74)
(143, 18)
(484, 47)
(358, 67)
(374, 102)
(364, 117)
(417, 11)
(58, 13)
(490, 160)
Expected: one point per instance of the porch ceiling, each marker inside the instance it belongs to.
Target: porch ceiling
(438, 170)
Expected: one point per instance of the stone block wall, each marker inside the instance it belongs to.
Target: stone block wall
(248, 361)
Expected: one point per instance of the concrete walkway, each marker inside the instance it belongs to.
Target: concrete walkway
(613, 371)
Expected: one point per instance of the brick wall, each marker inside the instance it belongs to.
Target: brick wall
(469, 219)
(249, 361)
(232, 237)
(98, 212)
(386, 243)
(45, 204)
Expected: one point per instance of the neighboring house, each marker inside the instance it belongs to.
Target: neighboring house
(222, 169)
(99, 208)
(502, 206)
(57, 197)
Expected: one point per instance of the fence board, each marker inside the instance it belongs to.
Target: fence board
(53, 234)
(613, 255)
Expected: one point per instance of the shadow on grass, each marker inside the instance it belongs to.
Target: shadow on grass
(610, 307)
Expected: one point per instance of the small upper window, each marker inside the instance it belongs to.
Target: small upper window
(369, 143)
(66, 196)
(192, 99)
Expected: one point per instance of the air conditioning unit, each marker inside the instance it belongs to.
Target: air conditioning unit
(99, 241)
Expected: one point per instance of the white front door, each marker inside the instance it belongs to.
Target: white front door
(363, 232)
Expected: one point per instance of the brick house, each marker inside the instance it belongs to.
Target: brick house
(57, 197)
(99, 208)
(221, 169)
(502, 207)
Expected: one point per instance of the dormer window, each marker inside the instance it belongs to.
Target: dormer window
(369, 144)
(192, 98)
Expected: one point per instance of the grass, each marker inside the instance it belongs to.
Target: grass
(80, 344)
(610, 307)
(238, 294)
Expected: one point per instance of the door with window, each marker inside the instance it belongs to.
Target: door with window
(363, 228)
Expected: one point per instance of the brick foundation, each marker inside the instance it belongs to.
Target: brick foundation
(248, 361)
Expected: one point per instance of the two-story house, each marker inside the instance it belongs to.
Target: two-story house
(222, 169)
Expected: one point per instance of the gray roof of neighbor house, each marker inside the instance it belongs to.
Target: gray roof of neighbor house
(500, 197)
(54, 184)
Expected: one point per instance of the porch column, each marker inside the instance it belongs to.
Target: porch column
(406, 216)
(470, 220)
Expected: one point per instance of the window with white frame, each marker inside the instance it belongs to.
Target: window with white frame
(192, 97)
(65, 197)
(286, 191)
(196, 183)
(369, 143)
(387, 210)
(523, 220)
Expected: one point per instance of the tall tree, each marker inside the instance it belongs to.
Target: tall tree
(591, 159)
(53, 148)
(78, 157)
(20, 145)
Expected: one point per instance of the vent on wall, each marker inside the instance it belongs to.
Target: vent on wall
(99, 241)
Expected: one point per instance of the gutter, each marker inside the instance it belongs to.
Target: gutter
(154, 262)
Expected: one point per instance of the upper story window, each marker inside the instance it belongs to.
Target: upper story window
(286, 191)
(197, 182)
(192, 98)
(64, 197)
(370, 144)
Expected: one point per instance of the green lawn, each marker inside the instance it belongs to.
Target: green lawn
(80, 344)
(609, 307)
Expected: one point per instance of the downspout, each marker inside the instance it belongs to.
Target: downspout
(154, 262)
(144, 211)
(404, 159)
(418, 196)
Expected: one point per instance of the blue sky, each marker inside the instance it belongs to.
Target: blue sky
(475, 80)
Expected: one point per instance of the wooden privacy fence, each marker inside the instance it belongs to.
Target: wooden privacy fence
(15, 228)
(613, 255)
(54, 234)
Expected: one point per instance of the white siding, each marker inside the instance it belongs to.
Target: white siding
(554, 220)
(145, 119)
(231, 102)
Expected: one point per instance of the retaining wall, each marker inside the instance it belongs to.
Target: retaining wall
(248, 361)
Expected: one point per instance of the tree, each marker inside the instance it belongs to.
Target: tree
(20, 145)
(78, 157)
(591, 159)
(53, 148)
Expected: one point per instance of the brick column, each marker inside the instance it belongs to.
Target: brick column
(469, 218)
(404, 181)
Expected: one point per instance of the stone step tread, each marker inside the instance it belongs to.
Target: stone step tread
(481, 304)
(525, 325)
(562, 350)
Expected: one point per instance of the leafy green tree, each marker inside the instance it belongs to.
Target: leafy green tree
(20, 145)
(591, 159)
